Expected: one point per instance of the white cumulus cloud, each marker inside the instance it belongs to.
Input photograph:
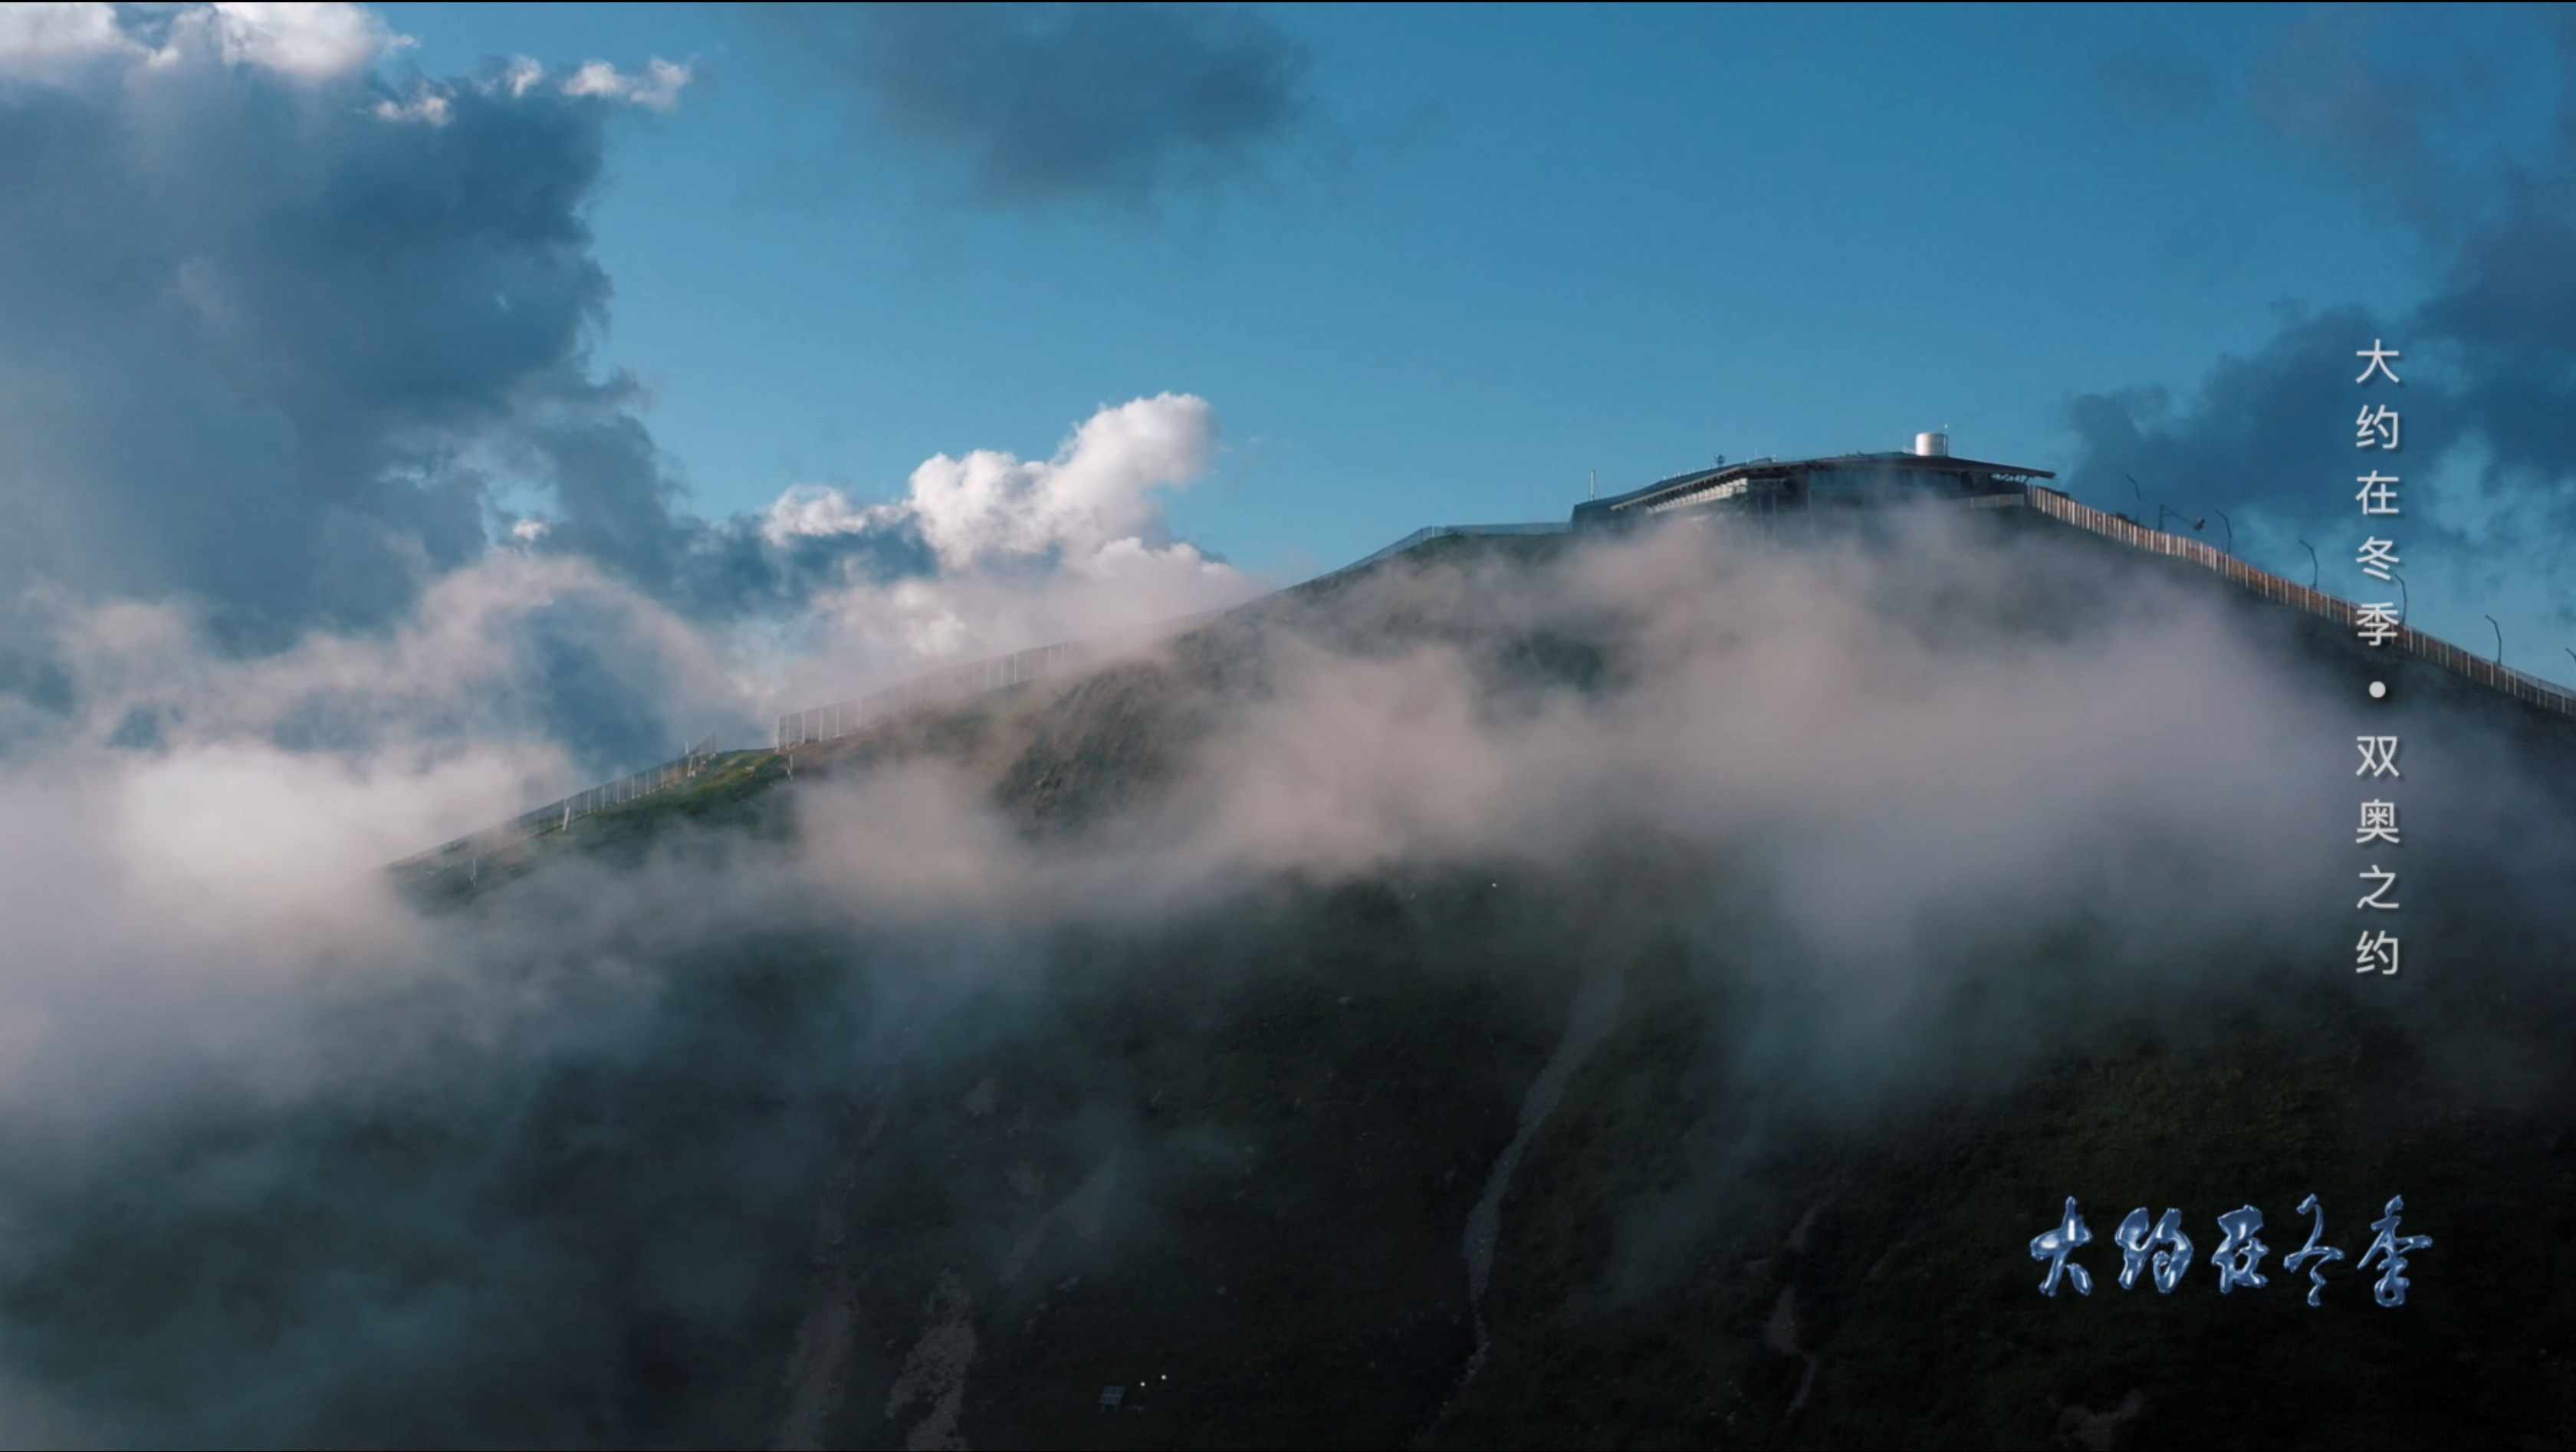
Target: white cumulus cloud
(1096, 490)
(656, 87)
(49, 41)
(310, 42)
(811, 510)
(1028, 552)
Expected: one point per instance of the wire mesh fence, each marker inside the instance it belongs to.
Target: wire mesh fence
(975, 678)
(2316, 602)
(1431, 532)
(821, 723)
(845, 718)
(562, 814)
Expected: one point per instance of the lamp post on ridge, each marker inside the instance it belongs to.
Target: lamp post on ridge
(2499, 630)
(2313, 570)
(2229, 526)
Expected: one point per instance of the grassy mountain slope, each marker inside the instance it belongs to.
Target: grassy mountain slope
(1225, 1160)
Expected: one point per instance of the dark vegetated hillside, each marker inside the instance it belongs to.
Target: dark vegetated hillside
(800, 1180)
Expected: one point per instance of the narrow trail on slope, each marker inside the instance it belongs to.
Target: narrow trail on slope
(1594, 1013)
(817, 1366)
(934, 1374)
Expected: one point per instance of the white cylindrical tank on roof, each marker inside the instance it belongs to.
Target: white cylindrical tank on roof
(1932, 446)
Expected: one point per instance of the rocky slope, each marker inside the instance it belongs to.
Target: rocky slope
(1476, 1150)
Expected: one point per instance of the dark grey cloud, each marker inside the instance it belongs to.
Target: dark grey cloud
(2489, 397)
(250, 331)
(621, 504)
(292, 341)
(1049, 103)
(736, 568)
(250, 326)
(275, 337)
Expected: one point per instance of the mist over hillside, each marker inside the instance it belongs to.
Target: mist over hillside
(1528, 992)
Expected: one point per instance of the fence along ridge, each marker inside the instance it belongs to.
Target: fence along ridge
(974, 678)
(848, 718)
(625, 789)
(2316, 602)
(821, 723)
(1430, 532)
(826, 723)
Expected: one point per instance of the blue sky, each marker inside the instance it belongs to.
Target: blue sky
(413, 414)
(837, 343)
(1505, 247)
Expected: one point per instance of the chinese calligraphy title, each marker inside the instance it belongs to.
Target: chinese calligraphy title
(2163, 1252)
(2377, 623)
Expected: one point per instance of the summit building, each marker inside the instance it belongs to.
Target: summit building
(1766, 488)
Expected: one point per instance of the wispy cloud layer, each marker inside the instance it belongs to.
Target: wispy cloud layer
(1917, 831)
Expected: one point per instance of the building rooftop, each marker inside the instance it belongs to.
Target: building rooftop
(1929, 464)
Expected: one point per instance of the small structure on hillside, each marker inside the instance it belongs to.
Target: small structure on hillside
(1765, 488)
